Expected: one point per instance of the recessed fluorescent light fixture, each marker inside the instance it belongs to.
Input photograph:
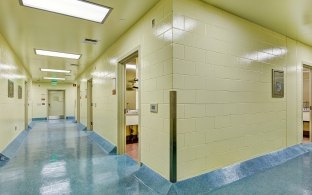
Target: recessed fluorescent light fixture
(57, 54)
(53, 78)
(75, 8)
(54, 70)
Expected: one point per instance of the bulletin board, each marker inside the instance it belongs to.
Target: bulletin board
(10, 89)
(277, 83)
(20, 92)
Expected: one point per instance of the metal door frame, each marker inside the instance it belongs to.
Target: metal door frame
(121, 88)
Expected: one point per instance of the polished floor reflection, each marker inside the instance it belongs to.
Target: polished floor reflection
(291, 178)
(132, 150)
(57, 158)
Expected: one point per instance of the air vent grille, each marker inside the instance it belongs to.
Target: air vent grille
(90, 41)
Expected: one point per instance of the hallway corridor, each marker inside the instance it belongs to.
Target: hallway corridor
(57, 158)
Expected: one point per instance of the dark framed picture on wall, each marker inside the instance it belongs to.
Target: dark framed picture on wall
(10, 89)
(277, 83)
(20, 92)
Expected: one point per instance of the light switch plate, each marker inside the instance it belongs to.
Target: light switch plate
(154, 108)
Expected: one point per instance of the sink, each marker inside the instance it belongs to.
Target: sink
(132, 112)
(132, 119)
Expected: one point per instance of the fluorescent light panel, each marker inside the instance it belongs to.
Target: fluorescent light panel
(57, 54)
(54, 70)
(75, 8)
(53, 78)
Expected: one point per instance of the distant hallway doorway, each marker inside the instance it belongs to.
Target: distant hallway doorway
(56, 105)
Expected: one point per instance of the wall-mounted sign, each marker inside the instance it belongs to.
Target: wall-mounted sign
(53, 82)
(277, 83)
(10, 89)
(20, 92)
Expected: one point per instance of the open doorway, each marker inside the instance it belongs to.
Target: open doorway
(56, 104)
(89, 106)
(307, 89)
(129, 107)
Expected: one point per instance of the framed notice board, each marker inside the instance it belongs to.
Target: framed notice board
(10, 89)
(20, 92)
(277, 83)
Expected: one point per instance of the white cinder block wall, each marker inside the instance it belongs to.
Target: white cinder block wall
(155, 45)
(222, 71)
(12, 120)
(40, 91)
(221, 65)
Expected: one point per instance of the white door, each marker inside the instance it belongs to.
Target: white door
(56, 106)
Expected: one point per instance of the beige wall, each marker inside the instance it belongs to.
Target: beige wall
(40, 90)
(222, 71)
(12, 109)
(221, 66)
(155, 59)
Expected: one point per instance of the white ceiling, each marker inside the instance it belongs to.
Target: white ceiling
(292, 18)
(25, 29)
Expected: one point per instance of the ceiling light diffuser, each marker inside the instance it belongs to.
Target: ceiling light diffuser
(53, 78)
(75, 8)
(57, 54)
(54, 70)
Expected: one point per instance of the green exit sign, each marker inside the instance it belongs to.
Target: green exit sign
(53, 82)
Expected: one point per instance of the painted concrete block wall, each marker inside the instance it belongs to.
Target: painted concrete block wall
(29, 85)
(155, 45)
(40, 91)
(294, 132)
(222, 67)
(12, 109)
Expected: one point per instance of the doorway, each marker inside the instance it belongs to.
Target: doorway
(26, 104)
(129, 107)
(307, 97)
(89, 106)
(56, 104)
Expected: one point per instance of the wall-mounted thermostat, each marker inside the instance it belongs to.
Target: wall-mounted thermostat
(154, 108)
